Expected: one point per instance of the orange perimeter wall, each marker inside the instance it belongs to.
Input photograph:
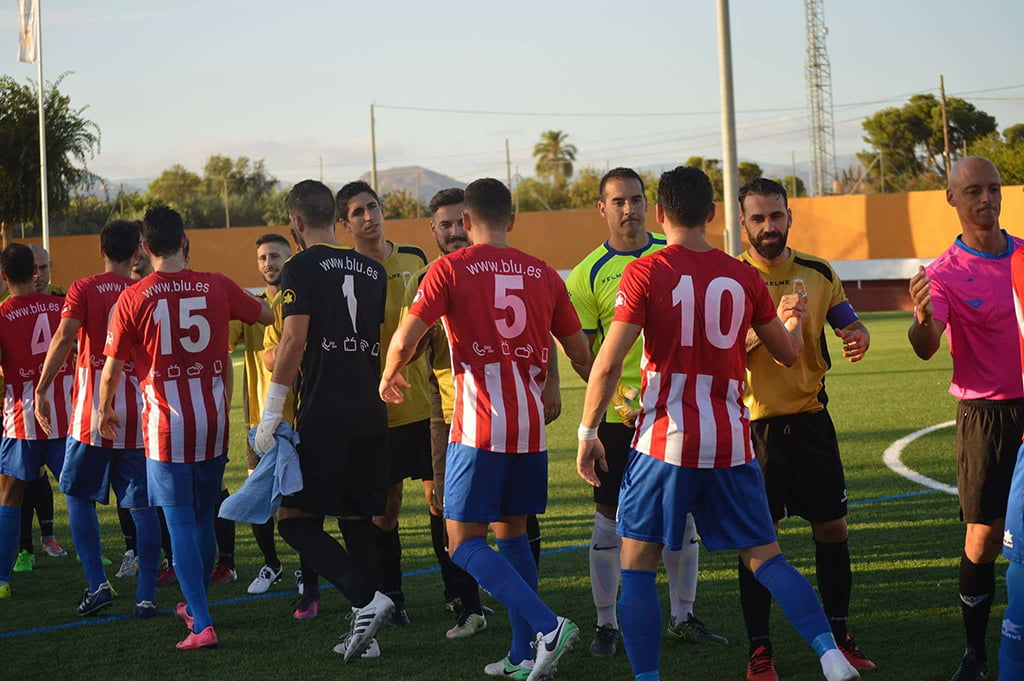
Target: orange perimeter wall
(865, 226)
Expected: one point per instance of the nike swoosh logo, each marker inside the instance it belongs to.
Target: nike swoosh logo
(551, 645)
(605, 548)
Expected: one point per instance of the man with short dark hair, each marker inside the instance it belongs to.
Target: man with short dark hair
(793, 435)
(500, 307)
(966, 294)
(593, 285)
(94, 464)
(173, 326)
(333, 304)
(27, 321)
(272, 250)
(362, 214)
(691, 451)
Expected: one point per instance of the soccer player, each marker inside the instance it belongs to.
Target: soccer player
(272, 250)
(793, 435)
(691, 451)
(362, 214)
(593, 285)
(173, 325)
(500, 307)
(93, 464)
(966, 293)
(1011, 649)
(27, 321)
(333, 305)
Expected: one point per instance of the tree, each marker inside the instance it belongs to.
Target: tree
(71, 139)
(242, 176)
(400, 203)
(911, 138)
(795, 186)
(1006, 152)
(1014, 133)
(584, 190)
(712, 170)
(749, 171)
(554, 156)
(175, 186)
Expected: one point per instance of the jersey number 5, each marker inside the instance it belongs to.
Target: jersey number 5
(503, 300)
(683, 295)
(188, 318)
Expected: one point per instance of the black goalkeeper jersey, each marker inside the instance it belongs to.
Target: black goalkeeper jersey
(344, 294)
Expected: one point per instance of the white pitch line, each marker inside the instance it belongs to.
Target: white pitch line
(236, 364)
(891, 458)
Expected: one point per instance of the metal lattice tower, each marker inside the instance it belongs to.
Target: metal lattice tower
(821, 132)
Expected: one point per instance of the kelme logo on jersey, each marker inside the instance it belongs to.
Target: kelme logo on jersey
(288, 297)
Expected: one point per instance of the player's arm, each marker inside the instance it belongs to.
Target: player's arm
(286, 368)
(60, 347)
(784, 342)
(400, 352)
(925, 332)
(551, 395)
(789, 305)
(604, 380)
(266, 314)
(592, 347)
(110, 379)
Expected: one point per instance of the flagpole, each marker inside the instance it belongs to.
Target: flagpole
(42, 128)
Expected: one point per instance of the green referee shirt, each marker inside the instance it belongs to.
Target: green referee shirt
(592, 286)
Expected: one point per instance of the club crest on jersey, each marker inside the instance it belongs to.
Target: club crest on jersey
(620, 299)
(418, 296)
(288, 297)
(1007, 539)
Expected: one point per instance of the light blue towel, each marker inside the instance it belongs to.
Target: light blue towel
(277, 474)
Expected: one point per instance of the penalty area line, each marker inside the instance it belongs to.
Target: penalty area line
(891, 458)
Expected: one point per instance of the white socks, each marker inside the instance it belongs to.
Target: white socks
(681, 567)
(605, 564)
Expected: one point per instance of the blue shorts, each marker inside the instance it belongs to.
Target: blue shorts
(482, 486)
(1013, 535)
(90, 471)
(185, 484)
(729, 505)
(22, 459)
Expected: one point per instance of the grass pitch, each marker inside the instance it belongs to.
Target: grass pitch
(905, 611)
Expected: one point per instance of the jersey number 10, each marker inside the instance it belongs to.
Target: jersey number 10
(683, 295)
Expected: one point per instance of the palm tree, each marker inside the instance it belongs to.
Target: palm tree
(554, 156)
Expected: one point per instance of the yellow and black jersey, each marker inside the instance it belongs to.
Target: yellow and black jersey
(255, 373)
(404, 260)
(439, 358)
(774, 390)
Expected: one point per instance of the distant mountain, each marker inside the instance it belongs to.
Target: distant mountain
(405, 177)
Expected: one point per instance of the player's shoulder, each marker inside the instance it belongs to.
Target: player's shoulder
(411, 252)
(55, 290)
(812, 263)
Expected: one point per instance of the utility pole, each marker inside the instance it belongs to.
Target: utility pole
(44, 190)
(881, 170)
(321, 168)
(227, 213)
(792, 160)
(730, 173)
(821, 133)
(945, 126)
(508, 165)
(373, 150)
(418, 173)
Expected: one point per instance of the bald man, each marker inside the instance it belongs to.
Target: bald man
(966, 293)
(44, 270)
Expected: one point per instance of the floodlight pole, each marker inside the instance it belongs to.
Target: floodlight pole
(43, 189)
(373, 150)
(730, 173)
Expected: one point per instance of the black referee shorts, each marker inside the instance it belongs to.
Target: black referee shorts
(410, 452)
(439, 434)
(803, 474)
(988, 434)
(617, 439)
(342, 474)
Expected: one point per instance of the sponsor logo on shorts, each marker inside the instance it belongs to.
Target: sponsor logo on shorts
(1012, 630)
(844, 498)
(974, 601)
(1008, 539)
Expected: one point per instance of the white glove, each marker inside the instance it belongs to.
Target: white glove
(273, 413)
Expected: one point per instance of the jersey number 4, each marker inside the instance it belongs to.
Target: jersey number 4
(683, 296)
(189, 318)
(41, 334)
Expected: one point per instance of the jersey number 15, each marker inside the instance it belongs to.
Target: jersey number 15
(189, 317)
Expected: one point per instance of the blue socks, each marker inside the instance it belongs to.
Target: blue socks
(518, 553)
(798, 601)
(640, 619)
(85, 532)
(500, 579)
(206, 538)
(147, 540)
(187, 535)
(10, 534)
(1011, 649)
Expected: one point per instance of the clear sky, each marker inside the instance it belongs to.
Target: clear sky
(290, 82)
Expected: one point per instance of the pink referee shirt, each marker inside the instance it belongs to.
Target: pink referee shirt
(973, 296)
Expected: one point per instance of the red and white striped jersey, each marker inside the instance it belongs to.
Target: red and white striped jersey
(175, 328)
(26, 325)
(91, 301)
(500, 307)
(695, 309)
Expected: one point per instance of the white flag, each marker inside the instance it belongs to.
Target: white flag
(28, 35)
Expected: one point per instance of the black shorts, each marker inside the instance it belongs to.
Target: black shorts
(344, 475)
(439, 433)
(409, 447)
(617, 439)
(988, 434)
(803, 474)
